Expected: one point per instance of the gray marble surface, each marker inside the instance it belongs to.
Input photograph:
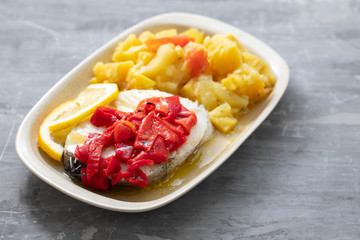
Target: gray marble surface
(296, 177)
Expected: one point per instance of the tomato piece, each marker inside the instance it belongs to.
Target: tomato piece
(181, 40)
(197, 62)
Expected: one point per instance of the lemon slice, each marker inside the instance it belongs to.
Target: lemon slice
(85, 104)
(52, 143)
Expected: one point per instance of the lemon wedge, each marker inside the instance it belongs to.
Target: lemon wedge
(85, 104)
(52, 143)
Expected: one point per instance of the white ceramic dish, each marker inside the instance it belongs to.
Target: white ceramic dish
(215, 153)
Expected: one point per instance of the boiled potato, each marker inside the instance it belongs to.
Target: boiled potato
(146, 36)
(129, 42)
(207, 97)
(170, 87)
(194, 33)
(130, 54)
(136, 80)
(144, 58)
(268, 77)
(166, 33)
(191, 90)
(247, 82)
(111, 72)
(223, 54)
(173, 77)
(222, 118)
(166, 55)
(223, 110)
(200, 89)
(225, 95)
(224, 124)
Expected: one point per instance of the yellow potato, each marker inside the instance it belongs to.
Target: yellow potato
(166, 55)
(250, 84)
(165, 86)
(225, 95)
(222, 118)
(166, 33)
(130, 41)
(269, 81)
(232, 38)
(99, 71)
(223, 54)
(224, 124)
(223, 110)
(194, 33)
(146, 36)
(144, 58)
(112, 72)
(172, 78)
(136, 80)
(130, 54)
(207, 97)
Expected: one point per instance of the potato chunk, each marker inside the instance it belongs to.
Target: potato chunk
(191, 89)
(167, 33)
(225, 95)
(136, 80)
(111, 72)
(127, 49)
(223, 54)
(166, 55)
(222, 118)
(194, 33)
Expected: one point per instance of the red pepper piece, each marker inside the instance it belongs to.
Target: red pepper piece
(113, 169)
(124, 151)
(152, 127)
(154, 44)
(187, 123)
(94, 151)
(158, 153)
(124, 130)
(197, 62)
(137, 177)
(140, 163)
(104, 116)
(98, 181)
(174, 106)
(82, 151)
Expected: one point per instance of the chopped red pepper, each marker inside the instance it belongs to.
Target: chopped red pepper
(144, 137)
(197, 62)
(123, 130)
(181, 40)
(104, 116)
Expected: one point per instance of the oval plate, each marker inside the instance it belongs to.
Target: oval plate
(213, 154)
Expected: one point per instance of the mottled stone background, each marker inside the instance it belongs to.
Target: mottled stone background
(296, 177)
